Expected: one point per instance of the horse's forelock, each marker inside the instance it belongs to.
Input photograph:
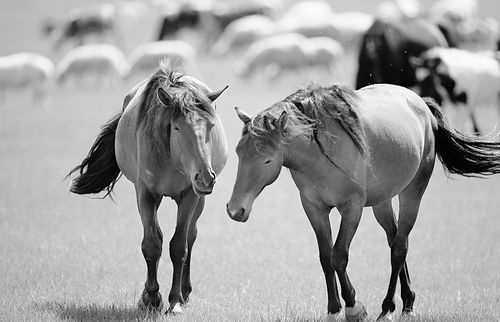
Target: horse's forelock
(263, 128)
(187, 98)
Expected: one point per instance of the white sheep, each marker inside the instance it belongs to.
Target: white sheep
(26, 71)
(145, 58)
(346, 27)
(273, 55)
(323, 52)
(95, 63)
(241, 33)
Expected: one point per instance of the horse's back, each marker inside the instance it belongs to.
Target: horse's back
(398, 128)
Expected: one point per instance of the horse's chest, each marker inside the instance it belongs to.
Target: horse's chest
(321, 191)
(164, 182)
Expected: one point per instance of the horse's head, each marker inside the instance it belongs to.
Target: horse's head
(191, 134)
(261, 157)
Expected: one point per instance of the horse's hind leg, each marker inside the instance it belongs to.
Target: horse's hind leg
(409, 203)
(386, 218)
(151, 248)
(351, 215)
(191, 238)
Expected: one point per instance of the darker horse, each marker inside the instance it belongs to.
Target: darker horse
(168, 141)
(386, 49)
(353, 149)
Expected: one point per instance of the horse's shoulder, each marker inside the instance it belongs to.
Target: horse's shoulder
(134, 92)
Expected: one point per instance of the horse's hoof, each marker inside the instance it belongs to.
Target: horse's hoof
(155, 306)
(388, 317)
(333, 317)
(356, 313)
(408, 315)
(175, 310)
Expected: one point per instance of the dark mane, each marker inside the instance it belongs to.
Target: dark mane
(310, 112)
(154, 118)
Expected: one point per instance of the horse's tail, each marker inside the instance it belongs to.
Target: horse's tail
(463, 154)
(99, 170)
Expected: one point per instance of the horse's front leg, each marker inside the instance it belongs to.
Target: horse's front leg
(320, 221)
(351, 215)
(179, 247)
(191, 238)
(151, 247)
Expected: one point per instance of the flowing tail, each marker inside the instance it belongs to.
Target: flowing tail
(466, 155)
(99, 170)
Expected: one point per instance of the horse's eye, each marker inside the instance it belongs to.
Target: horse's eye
(267, 162)
(176, 128)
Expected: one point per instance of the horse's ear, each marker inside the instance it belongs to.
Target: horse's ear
(164, 97)
(213, 95)
(243, 115)
(281, 121)
(266, 122)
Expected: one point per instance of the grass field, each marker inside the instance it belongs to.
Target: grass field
(67, 257)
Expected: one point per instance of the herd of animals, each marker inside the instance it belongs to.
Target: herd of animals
(447, 51)
(446, 55)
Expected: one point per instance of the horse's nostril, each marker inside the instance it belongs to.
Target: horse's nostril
(236, 215)
(208, 181)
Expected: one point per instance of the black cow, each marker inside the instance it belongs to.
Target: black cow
(386, 49)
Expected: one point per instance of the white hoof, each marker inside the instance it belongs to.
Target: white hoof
(333, 317)
(386, 318)
(356, 313)
(176, 310)
(407, 316)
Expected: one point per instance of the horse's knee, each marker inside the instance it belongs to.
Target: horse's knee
(399, 249)
(178, 249)
(339, 259)
(151, 248)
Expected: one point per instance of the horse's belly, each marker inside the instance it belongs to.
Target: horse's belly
(392, 169)
(396, 155)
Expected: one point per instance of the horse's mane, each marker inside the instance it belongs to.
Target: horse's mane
(154, 118)
(311, 112)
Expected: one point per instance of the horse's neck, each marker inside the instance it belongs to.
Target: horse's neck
(306, 157)
(300, 153)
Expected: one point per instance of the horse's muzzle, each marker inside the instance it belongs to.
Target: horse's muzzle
(204, 185)
(237, 215)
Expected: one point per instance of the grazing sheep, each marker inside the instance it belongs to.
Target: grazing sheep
(241, 33)
(290, 52)
(26, 71)
(322, 52)
(81, 24)
(347, 28)
(273, 55)
(92, 64)
(144, 59)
